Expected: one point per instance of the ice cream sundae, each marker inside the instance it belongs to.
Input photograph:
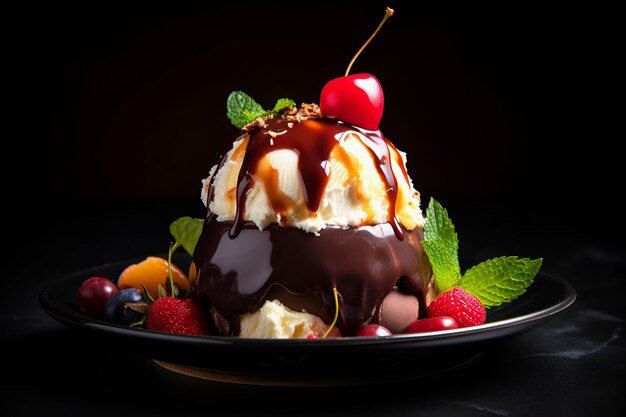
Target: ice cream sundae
(302, 204)
(313, 229)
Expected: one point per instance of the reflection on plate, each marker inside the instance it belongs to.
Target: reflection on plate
(347, 360)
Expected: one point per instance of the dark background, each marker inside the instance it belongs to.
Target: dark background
(126, 103)
(116, 111)
(508, 110)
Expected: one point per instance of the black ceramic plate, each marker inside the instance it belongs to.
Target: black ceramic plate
(345, 360)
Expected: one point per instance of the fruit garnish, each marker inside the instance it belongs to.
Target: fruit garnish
(165, 313)
(373, 330)
(151, 272)
(148, 282)
(241, 109)
(355, 99)
(493, 282)
(122, 307)
(463, 307)
(93, 294)
(431, 324)
(173, 315)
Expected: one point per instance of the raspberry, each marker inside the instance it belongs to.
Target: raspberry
(463, 307)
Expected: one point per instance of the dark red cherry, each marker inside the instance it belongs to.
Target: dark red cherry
(355, 99)
(433, 324)
(373, 330)
(93, 294)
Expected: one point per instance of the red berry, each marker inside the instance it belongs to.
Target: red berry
(355, 99)
(373, 330)
(462, 306)
(93, 294)
(311, 336)
(432, 324)
(173, 315)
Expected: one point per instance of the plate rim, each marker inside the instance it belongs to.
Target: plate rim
(72, 318)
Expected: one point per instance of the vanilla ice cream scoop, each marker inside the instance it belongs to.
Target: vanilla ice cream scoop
(311, 174)
(277, 321)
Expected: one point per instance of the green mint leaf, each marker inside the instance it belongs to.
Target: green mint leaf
(495, 281)
(186, 231)
(442, 246)
(445, 263)
(252, 116)
(241, 109)
(439, 227)
(500, 280)
(281, 103)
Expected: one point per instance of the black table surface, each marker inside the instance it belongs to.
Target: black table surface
(571, 366)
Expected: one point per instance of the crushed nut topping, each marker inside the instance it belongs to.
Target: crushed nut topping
(275, 134)
(306, 111)
(258, 122)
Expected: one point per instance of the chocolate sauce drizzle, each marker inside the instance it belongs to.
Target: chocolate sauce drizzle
(313, 140)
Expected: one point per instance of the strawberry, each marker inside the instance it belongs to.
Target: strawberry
(173, 315)
(463, 307)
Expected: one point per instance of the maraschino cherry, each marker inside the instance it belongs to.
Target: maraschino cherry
(355, 99)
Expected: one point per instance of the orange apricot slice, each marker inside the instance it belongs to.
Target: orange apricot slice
(151, 272)
(193, 273)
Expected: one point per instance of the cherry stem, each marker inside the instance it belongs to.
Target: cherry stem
(336, 314)
(388, 14)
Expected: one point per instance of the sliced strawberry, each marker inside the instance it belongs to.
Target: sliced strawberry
(463, 307)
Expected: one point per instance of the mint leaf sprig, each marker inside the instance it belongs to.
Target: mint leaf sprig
(241, 109)
(493, 282)
(442, 246)
(186, 232)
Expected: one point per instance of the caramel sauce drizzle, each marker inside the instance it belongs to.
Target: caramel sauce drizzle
(313, 140)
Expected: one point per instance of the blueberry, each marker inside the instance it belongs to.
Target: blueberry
(115, 310)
